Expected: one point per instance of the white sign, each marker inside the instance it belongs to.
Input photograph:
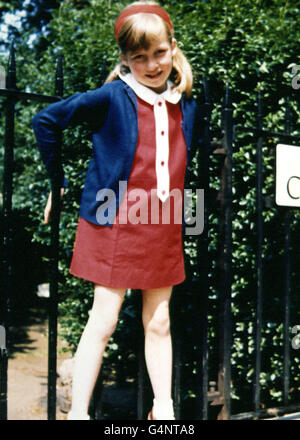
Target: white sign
(287, 175)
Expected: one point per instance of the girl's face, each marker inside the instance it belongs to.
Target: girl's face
(152, 67)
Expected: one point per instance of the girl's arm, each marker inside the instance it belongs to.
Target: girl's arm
(48, 124)
(48, 207)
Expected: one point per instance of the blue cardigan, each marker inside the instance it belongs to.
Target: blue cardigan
(111, 113)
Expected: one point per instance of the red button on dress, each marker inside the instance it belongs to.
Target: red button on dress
(144, 251)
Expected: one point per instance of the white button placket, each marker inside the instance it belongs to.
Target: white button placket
(162, 148)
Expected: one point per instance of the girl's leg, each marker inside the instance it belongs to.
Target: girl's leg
(158, 349)
(101, 324)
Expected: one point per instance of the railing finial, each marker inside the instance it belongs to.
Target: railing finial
(59, 78)
(11, 79)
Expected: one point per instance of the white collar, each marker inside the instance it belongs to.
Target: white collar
(149, 95)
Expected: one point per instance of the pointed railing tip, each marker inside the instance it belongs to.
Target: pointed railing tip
(259, 102)
(11, 68)
(12, 59)
(287, 116)
(259, 98)
(227, 98)
(59, 80)
(205, 90)
(287, 103)
(59, 64)
(103, 72)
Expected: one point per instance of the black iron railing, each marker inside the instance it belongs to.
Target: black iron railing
(262, 134)
(13, 95)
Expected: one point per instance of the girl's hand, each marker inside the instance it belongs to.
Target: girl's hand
(47, 210)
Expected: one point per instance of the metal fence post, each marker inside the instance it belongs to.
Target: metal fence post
(259, 207)
(202, 293)
(7, 223)
(55, 215)
(224, 378)
(287, 293)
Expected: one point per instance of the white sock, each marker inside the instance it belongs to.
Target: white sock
(163, 410)
(74, 416)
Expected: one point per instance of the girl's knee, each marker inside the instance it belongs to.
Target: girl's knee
(104, 314)
(158, 322)
(103, 325)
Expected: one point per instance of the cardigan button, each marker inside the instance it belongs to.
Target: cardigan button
(162, 163)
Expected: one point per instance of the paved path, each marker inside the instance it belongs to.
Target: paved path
(27, 376)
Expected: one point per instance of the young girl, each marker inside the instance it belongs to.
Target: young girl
(144, 123)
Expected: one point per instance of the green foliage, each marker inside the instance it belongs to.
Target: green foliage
(249, 44)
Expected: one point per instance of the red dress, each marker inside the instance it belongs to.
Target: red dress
(140, 251)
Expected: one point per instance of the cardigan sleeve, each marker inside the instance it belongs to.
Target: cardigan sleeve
(88, 107)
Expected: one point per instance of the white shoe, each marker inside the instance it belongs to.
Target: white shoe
(74, 416)
(163, 411)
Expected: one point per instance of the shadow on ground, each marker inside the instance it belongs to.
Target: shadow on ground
(21, 319)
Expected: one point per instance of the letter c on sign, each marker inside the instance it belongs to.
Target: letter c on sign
(289, 190)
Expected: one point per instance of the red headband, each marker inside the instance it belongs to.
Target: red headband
(136, 9)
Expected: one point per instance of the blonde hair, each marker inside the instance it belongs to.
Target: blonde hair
(141, 30)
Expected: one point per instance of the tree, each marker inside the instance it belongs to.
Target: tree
(34, 16)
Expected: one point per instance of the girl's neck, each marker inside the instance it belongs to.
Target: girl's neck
(160, 89)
